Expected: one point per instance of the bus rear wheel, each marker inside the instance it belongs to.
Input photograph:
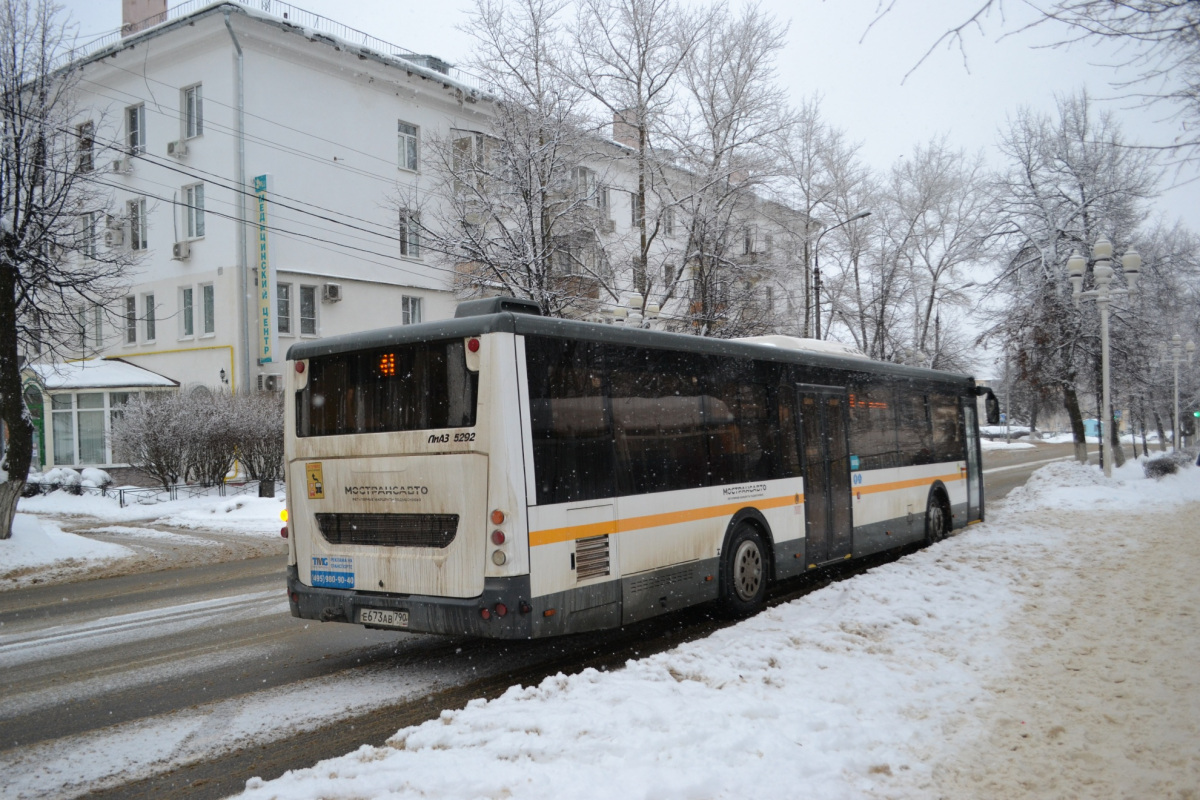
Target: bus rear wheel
(744, 571)
(936, 519)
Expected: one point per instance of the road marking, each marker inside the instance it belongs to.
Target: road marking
(107, 631)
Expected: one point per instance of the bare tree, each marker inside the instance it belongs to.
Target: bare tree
(258, 426)
(523, 211)
(1157, 42)
(51, 267)
(820, 171)
(1070, 179)
(732, 117)
(210, 434)
(628, 56)
(152, 433)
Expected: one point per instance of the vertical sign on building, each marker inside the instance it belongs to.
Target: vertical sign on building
(266, 333)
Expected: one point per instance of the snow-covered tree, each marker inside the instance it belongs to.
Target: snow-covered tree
(1070, 178)
(52, 267)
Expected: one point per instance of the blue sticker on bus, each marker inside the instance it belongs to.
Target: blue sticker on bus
(853, 462)
(333, 572)
(333, 580)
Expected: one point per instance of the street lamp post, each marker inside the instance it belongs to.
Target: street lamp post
(1102, 272)
(1177, 350)
(817, 265)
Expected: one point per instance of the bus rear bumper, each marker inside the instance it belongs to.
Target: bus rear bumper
(443, 615)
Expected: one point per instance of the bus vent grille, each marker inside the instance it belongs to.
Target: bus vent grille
(591, 557)
(389, 530)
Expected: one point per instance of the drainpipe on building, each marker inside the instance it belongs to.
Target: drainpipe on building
(243, 282)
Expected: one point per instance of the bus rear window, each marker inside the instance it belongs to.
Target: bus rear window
(409, 387)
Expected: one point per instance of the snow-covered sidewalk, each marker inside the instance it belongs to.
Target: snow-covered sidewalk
(1050, 652)
(136, 538)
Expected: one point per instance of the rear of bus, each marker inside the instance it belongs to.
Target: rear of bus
(405, 496)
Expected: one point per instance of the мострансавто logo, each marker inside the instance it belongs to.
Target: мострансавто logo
(386, 491)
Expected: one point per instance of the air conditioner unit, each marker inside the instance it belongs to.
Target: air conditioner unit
(113, 223)
(114, 237)
(181, 251)
(122, 165)
(178, 149)
(270, 383)
(331, 292)
(607, 226)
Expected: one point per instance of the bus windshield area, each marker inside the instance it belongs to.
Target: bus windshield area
(420, 386)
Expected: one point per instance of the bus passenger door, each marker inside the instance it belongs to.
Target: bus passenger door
(974, 473)
(827, 501)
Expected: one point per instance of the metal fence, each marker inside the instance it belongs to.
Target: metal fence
(365, 43)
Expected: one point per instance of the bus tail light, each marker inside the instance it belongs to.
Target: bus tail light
(498, 537)
(501, 609)
(497, 517)
(473, 345)
(485, 613)
(498, 558)
(283, 531)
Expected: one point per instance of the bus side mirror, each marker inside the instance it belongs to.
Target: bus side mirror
(993, 408)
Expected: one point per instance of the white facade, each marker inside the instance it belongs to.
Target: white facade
(187, 120)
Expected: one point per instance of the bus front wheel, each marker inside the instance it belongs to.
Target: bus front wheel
(744, 572)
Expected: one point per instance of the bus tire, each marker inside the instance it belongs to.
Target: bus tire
(937, 518)
(744, 572)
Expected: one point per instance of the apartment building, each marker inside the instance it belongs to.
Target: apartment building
(265, 166)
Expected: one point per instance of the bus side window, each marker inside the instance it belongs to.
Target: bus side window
(788, 450)
(568, 409)
(872, 424)
(661, 416)
(915, 435)
(740, 430)
(948, 440)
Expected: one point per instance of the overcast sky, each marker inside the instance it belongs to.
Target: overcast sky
(831, 52)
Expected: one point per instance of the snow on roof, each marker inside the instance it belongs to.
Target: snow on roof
(812, 345)
(97, 374)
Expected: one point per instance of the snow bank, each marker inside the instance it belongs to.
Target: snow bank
(836, 692)
(239, 514)
(992, 444)
(38, 545)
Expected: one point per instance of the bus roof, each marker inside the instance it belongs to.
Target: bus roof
(528, 324)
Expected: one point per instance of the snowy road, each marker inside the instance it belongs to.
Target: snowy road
(135, 683)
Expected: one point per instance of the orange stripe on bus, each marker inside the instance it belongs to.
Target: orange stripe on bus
(894, 485)
(554, 535)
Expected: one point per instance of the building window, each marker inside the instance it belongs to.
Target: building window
(131, 320)
(669, 222)
(81, 423)
(410, 310)
(635, 210)
(208, 299)
(135, 130)
(62, 408)
(193, 201)
(308, 311)
(187, 314)
(283, 307)
(408, 146)
(148, 316)
(86, 157)
(87, 234)
(136, 211)
(410, 234)
(193, 112)
(749, 240)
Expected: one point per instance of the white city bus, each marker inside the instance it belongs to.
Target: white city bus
(507, 475)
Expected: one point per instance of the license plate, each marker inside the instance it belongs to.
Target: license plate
(385, 617)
